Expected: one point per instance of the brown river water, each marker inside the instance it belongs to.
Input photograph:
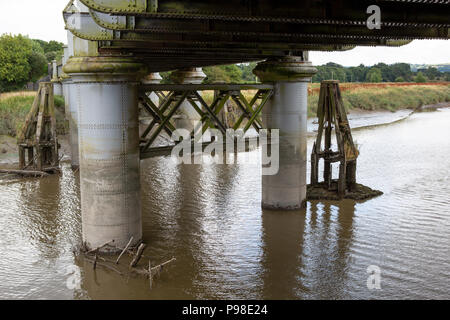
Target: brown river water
(209, 217)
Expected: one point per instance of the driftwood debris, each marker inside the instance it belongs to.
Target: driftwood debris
(25, 173)
(104, 265)
(150, 276)
(99, 248)
(138, 256)
(124, 250)
(94, 257)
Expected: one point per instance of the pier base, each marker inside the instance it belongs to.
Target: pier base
(287, 111)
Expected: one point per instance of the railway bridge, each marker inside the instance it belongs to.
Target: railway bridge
(116, 48)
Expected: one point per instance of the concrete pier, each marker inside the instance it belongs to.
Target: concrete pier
(189, 118)
(153, 78)
(107, 103)
(57, 86)
(287, 111)
(73, 123)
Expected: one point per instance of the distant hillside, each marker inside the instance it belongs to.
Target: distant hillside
(445, 67)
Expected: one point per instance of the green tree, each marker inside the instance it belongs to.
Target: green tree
(15, 69)
(402, 70)
(223, 74)
(38, 65)
(399, 79)
(386, 72)
(420, 78)
(21, 60)
(374, 75)
(37, 61)
(247, 71)
(52, 50)
(432, 73)
(330, 71)
(447, 76)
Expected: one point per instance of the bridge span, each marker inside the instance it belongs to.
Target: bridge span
(117, 47)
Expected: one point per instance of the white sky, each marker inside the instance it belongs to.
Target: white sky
(42, 19)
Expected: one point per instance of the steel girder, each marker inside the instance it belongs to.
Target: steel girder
(175, 34)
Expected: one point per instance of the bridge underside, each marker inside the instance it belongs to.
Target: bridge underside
(114, 44)
(171, 34)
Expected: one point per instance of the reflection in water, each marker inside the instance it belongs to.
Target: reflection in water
(328, 237)
(283, 234)
(209, 217)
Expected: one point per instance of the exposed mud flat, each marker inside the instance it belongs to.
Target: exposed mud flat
(359, 193)
(433, 107)
(9, 154)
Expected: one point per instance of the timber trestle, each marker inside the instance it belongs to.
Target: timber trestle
(38, 139)
(250, 100)
(332, 115)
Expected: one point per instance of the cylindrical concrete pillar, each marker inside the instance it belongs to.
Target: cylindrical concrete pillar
(153, 78)
(73, 123)
(57, 86)
(107, 99)
(65, 87)
(287, 111)
(54, 71)
(189, 118)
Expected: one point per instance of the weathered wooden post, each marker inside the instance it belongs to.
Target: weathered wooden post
(331, 114)
(39, 132)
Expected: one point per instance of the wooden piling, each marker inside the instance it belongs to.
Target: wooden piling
(331, 114)
(38, 136)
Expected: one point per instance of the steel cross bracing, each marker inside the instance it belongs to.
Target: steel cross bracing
(173, 96)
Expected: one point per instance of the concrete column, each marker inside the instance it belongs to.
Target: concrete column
(57, 87)
(287, 111)
(72, 114)
(65, 83)
(54, 71)
(153, 78)
(189, 118)
(73, 123)
(107, 100)
(65, 87)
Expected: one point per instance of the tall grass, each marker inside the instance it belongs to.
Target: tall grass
(390, 98)
(8, 95)
(14, 108)
(384, 96)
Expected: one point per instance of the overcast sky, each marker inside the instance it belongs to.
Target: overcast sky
(42, 19)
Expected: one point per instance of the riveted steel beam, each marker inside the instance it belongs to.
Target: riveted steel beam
(171, 34)
(401, 13)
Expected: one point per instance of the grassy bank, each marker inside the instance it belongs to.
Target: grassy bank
(387, 97)
(384, 96)
(14, 108)
(375, 96)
